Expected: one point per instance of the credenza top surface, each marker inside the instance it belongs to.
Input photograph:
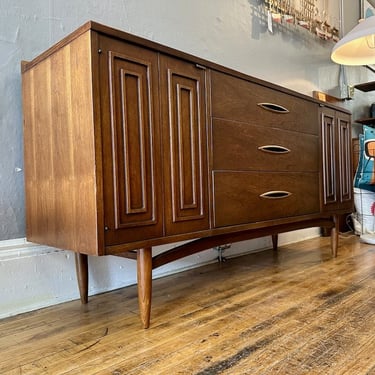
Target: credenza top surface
(131, 38)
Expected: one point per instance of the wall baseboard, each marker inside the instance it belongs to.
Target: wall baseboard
(21, 248)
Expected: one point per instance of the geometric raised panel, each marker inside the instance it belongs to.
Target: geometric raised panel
(132, 141)
(345, 157)
(184, 128)
(337, 159)
(131, 146)
(184, 142)
(329, 156)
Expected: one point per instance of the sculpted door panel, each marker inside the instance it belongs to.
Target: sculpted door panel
(183, 97)
(329, 156)
(345, 158)
(132, 151)
(337, 159)
(130, 109)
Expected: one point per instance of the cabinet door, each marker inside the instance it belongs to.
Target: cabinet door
(337, 160)
(345, 159)
(329, 156)
(183, 106)
(131, 143)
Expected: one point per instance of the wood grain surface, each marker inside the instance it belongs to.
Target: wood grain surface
(294, 311)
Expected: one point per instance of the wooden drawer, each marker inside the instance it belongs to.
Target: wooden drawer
(237, 99)
(240, 146)
(238, 200)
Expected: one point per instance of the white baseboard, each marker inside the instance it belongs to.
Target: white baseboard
(21, 248)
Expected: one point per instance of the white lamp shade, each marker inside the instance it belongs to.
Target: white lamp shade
(357, 47)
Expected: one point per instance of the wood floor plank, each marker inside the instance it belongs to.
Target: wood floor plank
(297, 311)
(254, 344)
(153, 369)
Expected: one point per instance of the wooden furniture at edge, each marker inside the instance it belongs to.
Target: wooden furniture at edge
(366, 87)
(130, 144)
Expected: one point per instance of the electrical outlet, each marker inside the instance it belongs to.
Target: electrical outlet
(350, 92)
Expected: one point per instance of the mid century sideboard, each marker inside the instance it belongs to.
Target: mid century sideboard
(130, 144)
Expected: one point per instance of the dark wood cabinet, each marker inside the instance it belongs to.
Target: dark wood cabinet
(131, 141)
(134, 145)
(154, 143)
(265, 153)
(183, 112)
(337, 160)
(366, 87)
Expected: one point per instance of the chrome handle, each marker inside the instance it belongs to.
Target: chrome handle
(274, 149)
(273, 107)
(276, 194)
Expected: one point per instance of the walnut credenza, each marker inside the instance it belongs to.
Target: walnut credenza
(130, 144)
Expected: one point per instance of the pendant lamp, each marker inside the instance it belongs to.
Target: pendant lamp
(357, 47)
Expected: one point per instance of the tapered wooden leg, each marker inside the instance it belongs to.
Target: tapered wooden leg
(275, 238)
(144, 276)
(335, 237)
(82, 276)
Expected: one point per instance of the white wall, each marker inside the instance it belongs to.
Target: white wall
(229, 32)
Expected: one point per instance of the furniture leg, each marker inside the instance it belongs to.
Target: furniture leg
(144, 276)
(82, 276)
(275, 238)
(335, 236)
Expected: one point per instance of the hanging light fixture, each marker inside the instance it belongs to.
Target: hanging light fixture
(357, 47)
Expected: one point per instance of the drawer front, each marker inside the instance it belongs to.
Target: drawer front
(241, 197)
(237, 99)
(241, 146)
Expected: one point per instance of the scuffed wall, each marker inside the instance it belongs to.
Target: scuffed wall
(11, 158)
(229, 32)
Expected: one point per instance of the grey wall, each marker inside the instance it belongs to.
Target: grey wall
(229, 32)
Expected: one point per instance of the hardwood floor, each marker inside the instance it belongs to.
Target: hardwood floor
(295, 311)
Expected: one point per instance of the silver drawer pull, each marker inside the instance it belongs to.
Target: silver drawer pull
(276, 194)
(273, 107)
(274, 149)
